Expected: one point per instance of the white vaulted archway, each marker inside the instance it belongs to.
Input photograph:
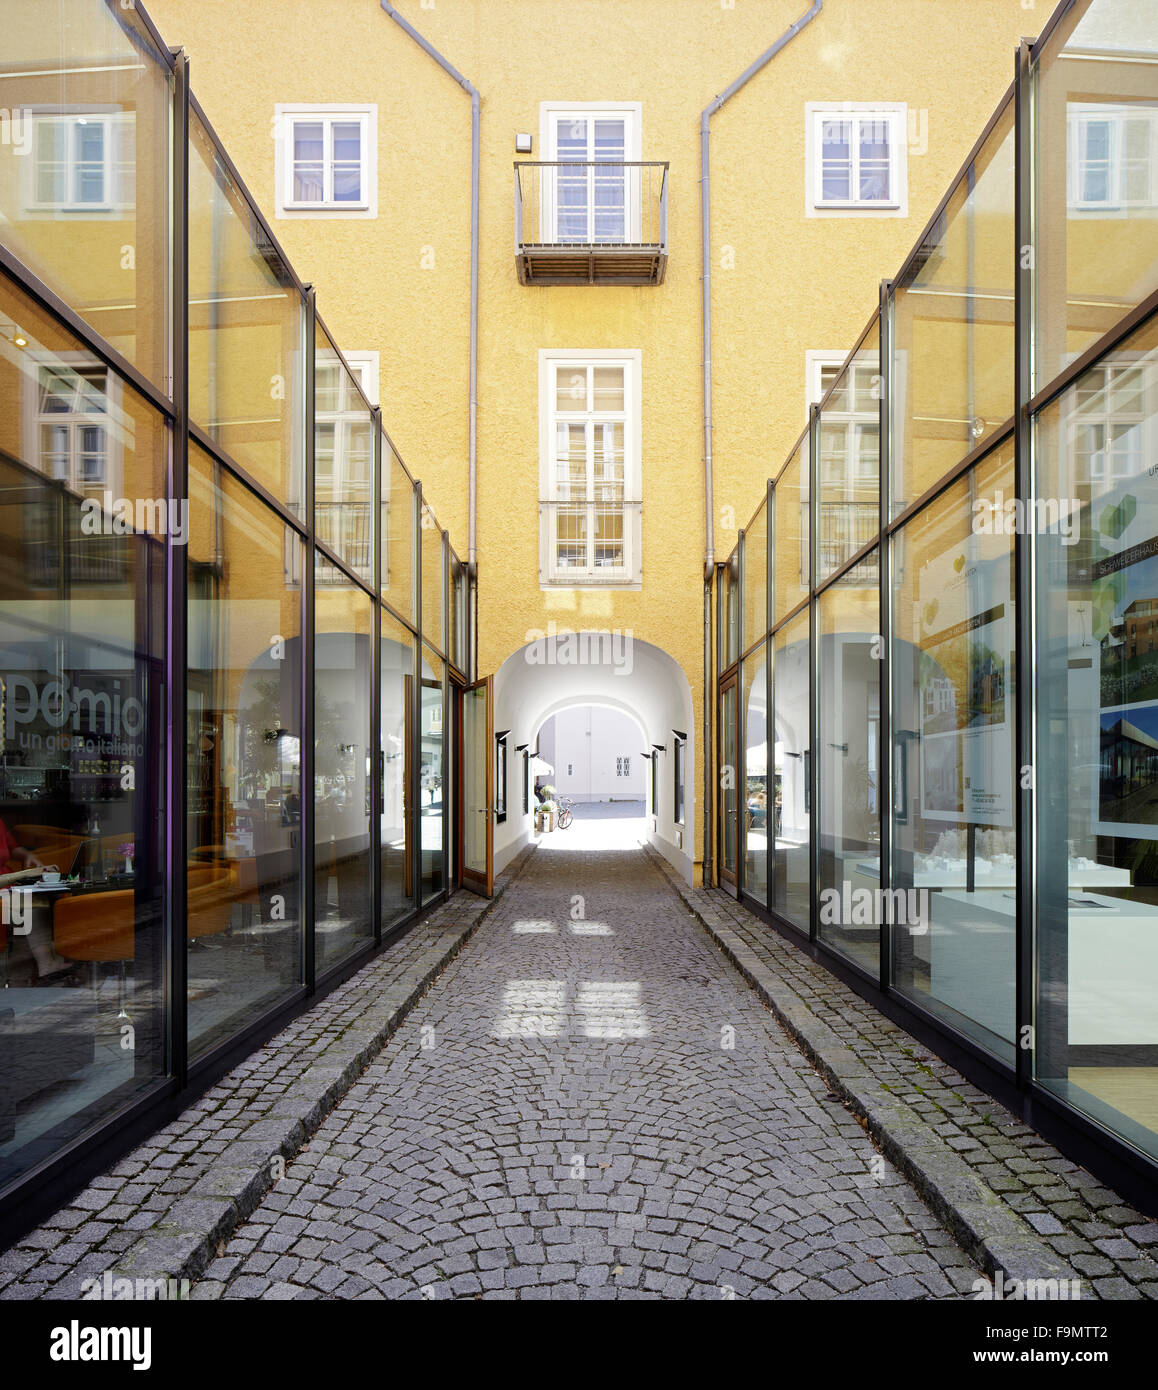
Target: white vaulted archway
(566, 669)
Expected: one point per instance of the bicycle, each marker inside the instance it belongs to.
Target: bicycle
(565, 816)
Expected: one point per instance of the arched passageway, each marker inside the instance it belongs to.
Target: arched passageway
(616, 671)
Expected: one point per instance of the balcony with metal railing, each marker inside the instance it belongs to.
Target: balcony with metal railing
(591, 223)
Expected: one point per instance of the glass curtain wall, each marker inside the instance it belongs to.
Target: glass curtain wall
(187, 543)
(958, 799)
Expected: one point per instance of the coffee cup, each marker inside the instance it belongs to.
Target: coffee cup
(51, 876)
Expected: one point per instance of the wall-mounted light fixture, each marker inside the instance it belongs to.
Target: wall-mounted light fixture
(523, 142)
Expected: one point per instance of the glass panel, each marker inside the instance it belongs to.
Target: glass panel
(342, 863)
(431, 778)
(343, 464)
(1096, 1027)
(1096, 153)
(756, 808)
(346, 137)
(397, 531)
(84, 169)
(791, 794)
(245, 330)
(729, 771)
(244, 741)
(309, 165)
(433, 578)
(792, 527)
(850, 461)
(849, 705)
(397, 661)
(954, 718)
(836, 161)
(474, 785)
(81, 696)
(953, 337)
(459, 628)
(756, 577)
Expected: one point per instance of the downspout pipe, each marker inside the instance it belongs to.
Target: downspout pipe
(706, 321)
(472, 419)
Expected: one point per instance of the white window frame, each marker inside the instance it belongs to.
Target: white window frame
(1101, 414)
(363, 366)
(896, 115)
(112, 421)
(286, 115)
(1115, 116)
(113, 121)
(629, 575)
(551, 115)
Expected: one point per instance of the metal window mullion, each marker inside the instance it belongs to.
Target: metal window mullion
(885, 596)
(415, 850)
(449, 772)
(376, 753)
(1023, 575)
(309, 587)
(813, 676)
(177, 581)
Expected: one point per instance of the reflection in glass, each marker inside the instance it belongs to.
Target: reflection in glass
(757, 809)
(954, 727)
(1096, 164)
(343, 461)
(397, 662)
(848, 728)
(342, 863)
(244, 748)
(756, 578)
(397, 533)
(791, 794)
(952, 368)
(791, 545)
(728, 775)
(1097, 770)
(81, 695)
(849, 443)
(84, 169)
(246, 384)
(431, 775)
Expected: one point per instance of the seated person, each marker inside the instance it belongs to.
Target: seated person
(48, 963)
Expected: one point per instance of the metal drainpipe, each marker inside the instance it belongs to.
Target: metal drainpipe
(472, 421)
(706, 293)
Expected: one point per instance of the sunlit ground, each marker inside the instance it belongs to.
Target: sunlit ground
(600, 825)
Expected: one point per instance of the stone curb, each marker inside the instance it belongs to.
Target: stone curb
(185, 1239)
(985, 1226)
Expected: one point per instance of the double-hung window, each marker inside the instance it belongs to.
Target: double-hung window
(855, 159)
(589, 468)
(83, 162)
(1110, 424)
(343, 456)
(591, 193)
(326, 160)
(73, 424)
(1112, 158)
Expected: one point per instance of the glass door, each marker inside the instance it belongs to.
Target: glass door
(729, 799)
(591, 202)
(476, 774)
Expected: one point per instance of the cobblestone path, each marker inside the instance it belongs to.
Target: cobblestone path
(591, 1103)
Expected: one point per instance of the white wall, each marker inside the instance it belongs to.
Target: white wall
(586, 743)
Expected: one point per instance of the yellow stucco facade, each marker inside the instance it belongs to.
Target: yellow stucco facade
(783, 282)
